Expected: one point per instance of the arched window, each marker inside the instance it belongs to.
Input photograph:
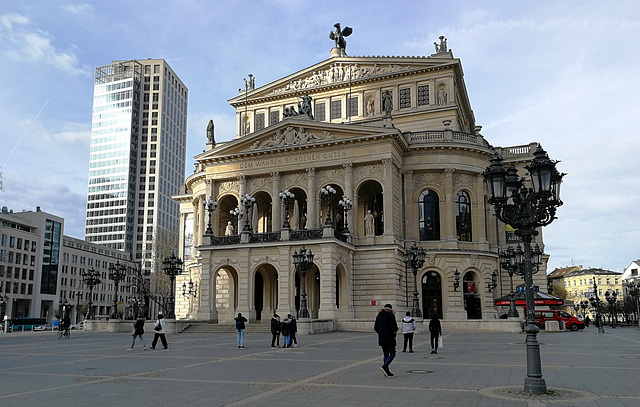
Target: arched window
(429, 208)
(463, 216)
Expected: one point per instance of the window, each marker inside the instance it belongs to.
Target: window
(274, 117)
(259, 121)
(405, 98)
(336, 109)
(320, 112)
(429, 208)
(463, 216)
(423, 95)
(353, 107)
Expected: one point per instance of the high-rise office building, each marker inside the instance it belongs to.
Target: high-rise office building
(138, 147)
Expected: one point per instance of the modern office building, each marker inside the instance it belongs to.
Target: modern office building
(137, 162)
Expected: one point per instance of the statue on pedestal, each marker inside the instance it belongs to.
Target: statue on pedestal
(338, 36)
(210, 133)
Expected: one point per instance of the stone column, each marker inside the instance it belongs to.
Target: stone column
(312, 200)
(478, 215)
(448, 212)
(410, 208)
(277, 212)
(203, 219)
(196, 219)
(387, 195)
(327, 309)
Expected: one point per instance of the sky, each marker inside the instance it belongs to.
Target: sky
(561, 73)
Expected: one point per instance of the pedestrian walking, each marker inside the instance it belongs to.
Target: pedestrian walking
(294, 329)
(138, 331)
(387, 328)
(159, 333)
(436, 332)
(286, 333)
(276, 328)
(240, 327)
(408, 328)
(587, 321)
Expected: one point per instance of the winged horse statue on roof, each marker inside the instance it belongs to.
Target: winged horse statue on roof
(338, 36)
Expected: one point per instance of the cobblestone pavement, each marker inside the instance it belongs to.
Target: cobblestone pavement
(334, 369)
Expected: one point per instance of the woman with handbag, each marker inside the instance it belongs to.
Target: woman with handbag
(158, 328)
(138, 330)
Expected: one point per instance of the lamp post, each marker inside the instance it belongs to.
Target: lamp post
(494, 282)
(346, 205)
(584, 304)
(414, 258)
(507, 262)
(596, 304)
(192, 291)
(456, 280)
(525, 209)
(633, 289)
(117, 273)
(286, 197)
(172, 266)
(328, 192)
(303, 260)
(210, 205)
(237, 213)
(612, 298)
(247, 202)
(91, 278)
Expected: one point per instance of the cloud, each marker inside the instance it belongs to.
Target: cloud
(25, 43)
(82, 8)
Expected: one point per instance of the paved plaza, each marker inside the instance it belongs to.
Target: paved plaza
(334, 369)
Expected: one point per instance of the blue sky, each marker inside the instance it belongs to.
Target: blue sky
(564, 74)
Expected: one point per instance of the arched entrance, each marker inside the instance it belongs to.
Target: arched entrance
(265, 292)
(472, 302)
(432, 294)
(225, 293)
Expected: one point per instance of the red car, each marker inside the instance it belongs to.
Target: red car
(570, 322)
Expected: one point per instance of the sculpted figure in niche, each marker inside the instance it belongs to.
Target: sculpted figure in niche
(442, 97)
(370, 106)
(387, 103)
(229, 229)
(210, 131)
(369, 224)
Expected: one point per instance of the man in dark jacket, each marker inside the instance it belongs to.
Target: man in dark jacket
(387, 328)
(436, 331)
(276, 328)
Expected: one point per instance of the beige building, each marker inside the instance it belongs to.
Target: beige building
(396, 136)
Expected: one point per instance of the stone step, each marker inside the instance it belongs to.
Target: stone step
(206, 327)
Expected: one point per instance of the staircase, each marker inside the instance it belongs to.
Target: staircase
(214, 328)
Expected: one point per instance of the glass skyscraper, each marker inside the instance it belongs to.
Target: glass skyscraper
(137, 158)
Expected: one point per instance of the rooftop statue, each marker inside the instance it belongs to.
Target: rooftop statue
(442, 47)
(210, 133)
(338, 36)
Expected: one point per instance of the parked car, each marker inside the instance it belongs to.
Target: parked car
(79, 325)
(46, 327)
(570, 322)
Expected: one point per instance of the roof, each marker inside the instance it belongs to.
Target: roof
(559, 273)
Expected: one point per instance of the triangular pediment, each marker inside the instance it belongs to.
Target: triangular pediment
(295, 134)
(342, 71)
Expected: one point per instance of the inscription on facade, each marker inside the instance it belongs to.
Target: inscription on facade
(296, 159)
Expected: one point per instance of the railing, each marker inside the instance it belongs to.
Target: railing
(224, 240)
(306, 234)
(264, 237)
(442, 136)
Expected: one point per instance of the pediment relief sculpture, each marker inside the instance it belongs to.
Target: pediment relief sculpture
(291, 136)
(340, 72)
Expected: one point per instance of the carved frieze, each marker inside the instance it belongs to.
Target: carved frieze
(340, 72)
(295, 179)
(427, 178)
(369, 171)
(264, 259)
(463, 179)
(329, 176)
(224, 260)
(229, 186)
(260, 183)
(291, 136)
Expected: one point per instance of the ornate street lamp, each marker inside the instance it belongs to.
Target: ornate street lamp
(237, 213)
(286, 197)
(633, 289)
(494, 282)
(612, 298)
(346, 205)
(247, 201)
(91, 279)
(526, 209)
(584, 304)
(456, 280)
(596, 303)
(507, 262)
(210, 205)
(117, 273)
(328, 192)
(303, 260)
(192, 291)
(414, 258)
(172, 266)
